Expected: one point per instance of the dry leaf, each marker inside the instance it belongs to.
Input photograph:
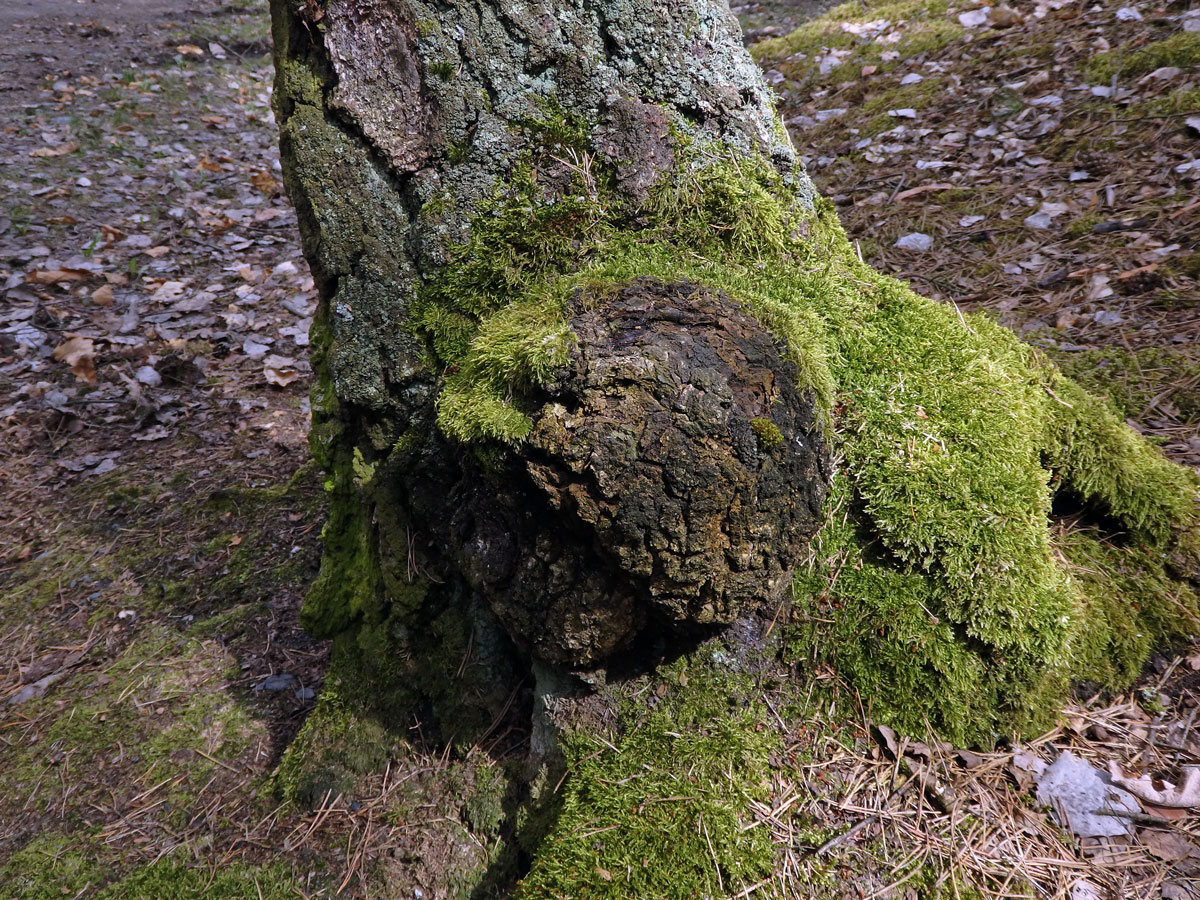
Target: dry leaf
(1165, 844)
(156, 252)
(280, 370)
(922, 189)
(1145, 788)
(55, 276)
(80, 354)
(103, 296)
(265, 182)
(60, 150)
(189, 50)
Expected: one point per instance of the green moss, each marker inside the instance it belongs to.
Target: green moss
(1130, 599)
(345, 584)
(1082, 226)
(50, 867)
(767, 432)
(1180, 49)
(662, 810)
(1190, 264)
(172, 879)
(922, 28)
(914, 96)
(1139, 380)
(335, 748)
(515, 349)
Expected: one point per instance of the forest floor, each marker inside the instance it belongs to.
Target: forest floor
(161, 519)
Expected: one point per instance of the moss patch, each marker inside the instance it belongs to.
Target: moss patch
(1181, 49)
(922, 27)
(661, 811)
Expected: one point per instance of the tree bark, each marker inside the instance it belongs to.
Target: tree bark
(587, 350)
(673, 467)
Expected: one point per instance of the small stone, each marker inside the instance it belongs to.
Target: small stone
(1038, 220)
(975, 17)
(915, 241)
(148, 375)
(1107, 317)
(912, 78)
(276, 683)
(305, 694)
(1128, 14)
(906, 113)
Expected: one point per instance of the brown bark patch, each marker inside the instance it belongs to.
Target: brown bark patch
(655, 501)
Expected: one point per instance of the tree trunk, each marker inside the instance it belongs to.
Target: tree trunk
(595, 461)
(587, 347)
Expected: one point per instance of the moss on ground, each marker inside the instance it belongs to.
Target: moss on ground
(923, 27)
(1140, 380)
(1180, 49)
(662, 809)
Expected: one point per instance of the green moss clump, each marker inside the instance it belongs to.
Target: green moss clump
(171, 879)
(50, 867)
(923, 28)
(1180, 49)
(767, 432)
(335, 748)
(662, 810)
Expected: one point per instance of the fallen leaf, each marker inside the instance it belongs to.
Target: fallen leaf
(60, 150)
(80, 354)
(280, 370)
(1165, 845)
(189, 50)
(103, 296)
(55, 276)
(157, 252)
(923, 189)
(1145, 788)
(168, 292)
(265, 182)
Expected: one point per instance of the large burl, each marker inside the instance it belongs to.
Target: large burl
(673, 476)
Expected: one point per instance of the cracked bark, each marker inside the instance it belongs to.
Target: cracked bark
(644, 501)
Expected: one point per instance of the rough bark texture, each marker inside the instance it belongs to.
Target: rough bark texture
(675, 467)
(677, 472)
